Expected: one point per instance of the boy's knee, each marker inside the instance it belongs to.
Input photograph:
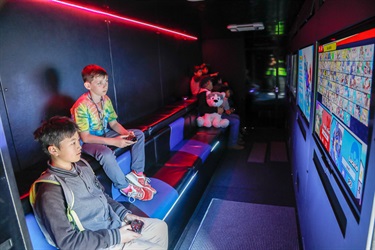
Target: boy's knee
(159, 225)
(106, 154)
(164, 225)
(139, 134)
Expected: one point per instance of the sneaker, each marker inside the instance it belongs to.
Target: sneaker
(137, 193)
(140, 181)
(236, 147)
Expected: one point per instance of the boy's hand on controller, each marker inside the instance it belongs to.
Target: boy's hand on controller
(127, 234)
(121, 142)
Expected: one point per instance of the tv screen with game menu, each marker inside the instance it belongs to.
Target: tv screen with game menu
(343, 106)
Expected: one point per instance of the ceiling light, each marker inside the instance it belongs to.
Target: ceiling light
(245, 27)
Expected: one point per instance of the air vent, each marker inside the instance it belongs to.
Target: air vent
(245, 27)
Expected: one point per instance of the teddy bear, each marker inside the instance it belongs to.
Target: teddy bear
(214, 99)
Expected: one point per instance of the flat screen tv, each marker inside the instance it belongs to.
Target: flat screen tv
(292, 74)
(342, 108)
(305, 80)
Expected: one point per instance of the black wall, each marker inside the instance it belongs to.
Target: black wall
(319, 19)
(44, 46)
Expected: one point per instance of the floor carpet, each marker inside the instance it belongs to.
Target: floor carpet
(278, 152)
(258, 153)
(240, 225)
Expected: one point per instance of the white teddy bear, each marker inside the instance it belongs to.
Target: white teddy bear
(214, 99)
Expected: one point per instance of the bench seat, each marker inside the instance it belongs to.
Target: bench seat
(177, 162)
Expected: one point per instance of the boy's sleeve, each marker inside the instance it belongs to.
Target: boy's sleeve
(119, 209)
(110, 110)
(80, 116)
(50, 206)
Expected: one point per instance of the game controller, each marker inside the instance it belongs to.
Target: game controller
(137, 226)
(131, 138)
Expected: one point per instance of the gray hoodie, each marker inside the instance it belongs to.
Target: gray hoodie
(99, 214)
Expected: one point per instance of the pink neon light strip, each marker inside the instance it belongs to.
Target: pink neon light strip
(158, 28)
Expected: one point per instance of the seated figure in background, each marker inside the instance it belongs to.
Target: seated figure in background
(195, 80)
(203, 108)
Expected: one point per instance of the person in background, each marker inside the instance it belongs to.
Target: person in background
(229, 113)
(205, 71)
(203, 108)
(100, 222)
(215, 78)
(93, 112)
(194, 82)
(219, 84)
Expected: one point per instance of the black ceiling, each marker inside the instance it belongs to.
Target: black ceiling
(276, 15)
(211, 17)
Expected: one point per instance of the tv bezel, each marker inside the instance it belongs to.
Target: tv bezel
(292, 79)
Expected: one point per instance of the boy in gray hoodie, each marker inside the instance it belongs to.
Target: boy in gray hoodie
(98, 221)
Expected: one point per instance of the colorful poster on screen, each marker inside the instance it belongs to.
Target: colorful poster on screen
(305, 75)
(323, 125)
(343, 99)
(349, 155)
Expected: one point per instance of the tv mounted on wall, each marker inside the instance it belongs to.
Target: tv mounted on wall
(342, 108)
(305, 80)
(292, 74)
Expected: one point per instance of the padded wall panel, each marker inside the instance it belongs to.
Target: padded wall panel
(162, 145)
(151, 124)
(43, 50)
(44, 47)
(179, 71)
(139, 92)
(190, 124)
(168, 115)
(177, 133)
(150, 155)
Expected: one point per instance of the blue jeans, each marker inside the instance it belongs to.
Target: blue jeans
(234, 127)
(106, 157)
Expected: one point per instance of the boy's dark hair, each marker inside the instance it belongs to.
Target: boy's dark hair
(204, 65)
(53, 131)
(224, 88)
(197, 68)
(204, 81)
(90, 71)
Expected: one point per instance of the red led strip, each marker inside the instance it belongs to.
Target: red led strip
(125, 19)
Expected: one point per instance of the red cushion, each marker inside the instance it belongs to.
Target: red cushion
(173, 176)
(182, 159)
